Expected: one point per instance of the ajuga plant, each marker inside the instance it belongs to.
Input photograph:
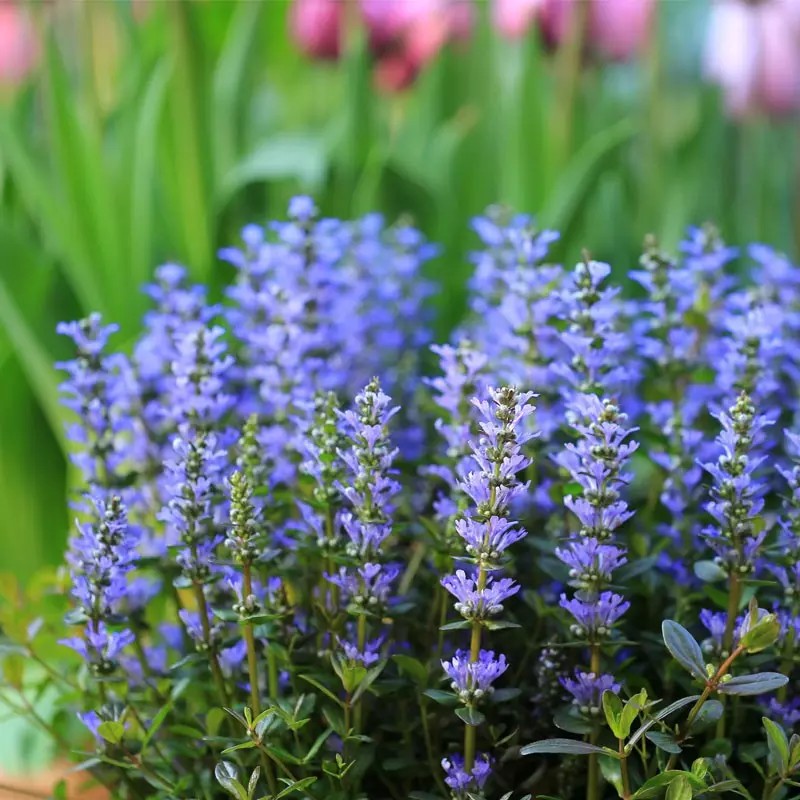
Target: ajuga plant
(563, 564)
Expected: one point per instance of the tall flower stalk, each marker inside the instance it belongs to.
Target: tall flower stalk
(736, 503)
(369, 488)
(487, 531)
(101, 557)
(592, 554)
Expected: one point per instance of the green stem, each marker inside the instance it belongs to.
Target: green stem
(362, 643)
(216, 670)
(593, 777)
(426, 735)
(250, 641)
(568, 69)
(623, 766)
(470, 732)
(734, 598)
(711, 686)
(772, 787)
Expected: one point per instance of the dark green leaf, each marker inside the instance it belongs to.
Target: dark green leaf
(442, 697)
(654, 787)
(684, 648)
(415, 669)
(470, 715)
(664, 741)
(757, 683)
(663, 714)
(709, 714)
(297, 786)
(568, 746)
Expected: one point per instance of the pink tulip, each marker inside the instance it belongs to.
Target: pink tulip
(407, 35)
(513, 18)
(615, 29)
(619, 29)
(317, 27)
(753, 54)
(19, 45)
(403, 35)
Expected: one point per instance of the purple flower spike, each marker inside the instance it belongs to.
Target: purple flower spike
(465, 783)
(594, 615)
(737, 493)
(472, 680)
(587, 690)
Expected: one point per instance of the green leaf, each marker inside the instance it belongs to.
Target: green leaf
(35, 361)
(240, 746)
(679, 789)
(577, 180)
(302, 156)
(778, 747)
(415, 669)
(227, 777)
(367, 681)
(297, 786)
(664, 741)
(710, 712)
(612, 772)
(663, 714)
(684, 649)
(324, 689)
(442, 697)
(112, 731)
(504, 695)
(569, 719)
(655, 786)
(709, 571)
(612, 707)
(157, 722)
(568, 746)
(757, 683)
(630, 711)
(470, 716)
(461, 624)
(761, 635)
(499, 624)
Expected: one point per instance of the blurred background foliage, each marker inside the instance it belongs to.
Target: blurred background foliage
(147, 132)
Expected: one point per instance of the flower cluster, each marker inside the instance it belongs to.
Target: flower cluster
(487, 533)
(101, 557)
(270, 548)
(592, 553)
(737, 494)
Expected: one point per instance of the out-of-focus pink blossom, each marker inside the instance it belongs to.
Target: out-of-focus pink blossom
(19, 45)
(619, 29)
(753, 54)
(317, 27)
(513, 18)
(403, 35)
(615, 29)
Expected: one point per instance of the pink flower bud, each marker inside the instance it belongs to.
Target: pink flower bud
(317, 27)
(19, 45)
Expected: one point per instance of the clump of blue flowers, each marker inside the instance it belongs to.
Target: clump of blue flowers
(319, 555)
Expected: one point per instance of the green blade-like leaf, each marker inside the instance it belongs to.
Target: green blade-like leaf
(568, 746)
